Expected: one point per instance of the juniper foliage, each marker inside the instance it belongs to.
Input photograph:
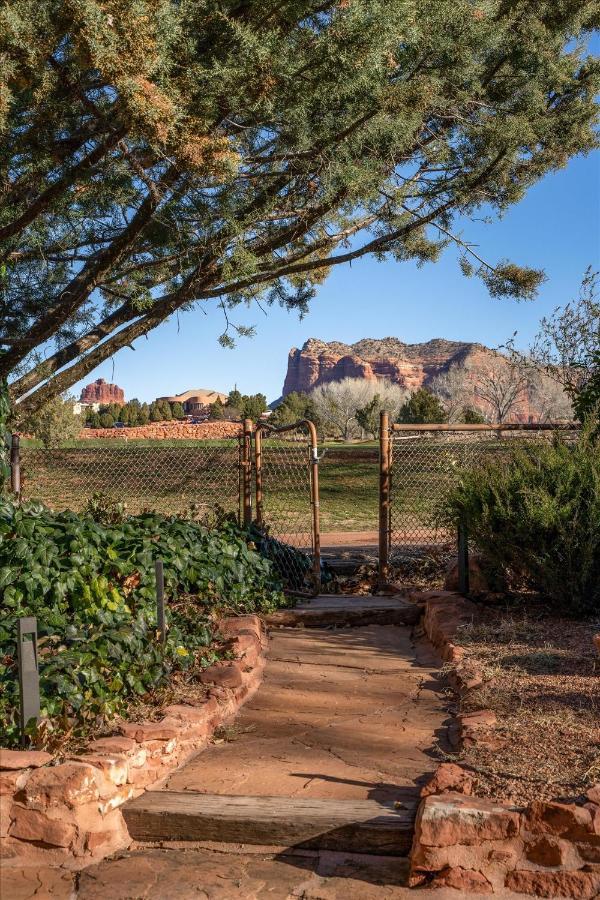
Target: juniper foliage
(158, 154)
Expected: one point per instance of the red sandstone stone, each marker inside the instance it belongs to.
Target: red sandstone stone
(547, 851)
(9, 782)
(23, 759)
(223, 674)
(448, 777)
(451, 818)
(197, 714)
(70, 784)
(114, 767)
(466, 880)
(478, 583)
(113, 745)
(564, 819)
(593, 794)
(33, 825)
(151, 731)
(579, 884)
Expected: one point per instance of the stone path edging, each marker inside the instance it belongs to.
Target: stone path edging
(478, 845)
(68, 814)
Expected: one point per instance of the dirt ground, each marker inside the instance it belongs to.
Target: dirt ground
(543, 682)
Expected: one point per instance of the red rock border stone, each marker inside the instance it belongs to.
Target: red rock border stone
(68, 814)
(477, 845)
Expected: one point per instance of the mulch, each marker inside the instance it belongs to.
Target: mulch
(542, 679)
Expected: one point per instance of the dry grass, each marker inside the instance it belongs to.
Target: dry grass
(543, 682)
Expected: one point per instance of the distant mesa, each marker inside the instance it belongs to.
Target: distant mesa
(197, 400)
(101, 392)
(409, 365)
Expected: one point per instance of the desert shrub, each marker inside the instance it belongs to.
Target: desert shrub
(534, 513)
(91, 587)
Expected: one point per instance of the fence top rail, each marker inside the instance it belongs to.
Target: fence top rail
(301, 423)
(507, 426)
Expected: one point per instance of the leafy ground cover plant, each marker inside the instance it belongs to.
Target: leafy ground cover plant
(534, 512)
(91, 586)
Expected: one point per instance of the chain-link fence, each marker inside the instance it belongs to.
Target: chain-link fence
(202, 482)
(287, 502)
(208, 482)
(419, 464)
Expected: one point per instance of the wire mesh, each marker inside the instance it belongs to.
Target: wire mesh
(200, 482)
(424, 466)
(285, 503)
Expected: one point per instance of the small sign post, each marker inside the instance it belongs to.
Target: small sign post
(160, 600)
(29, 679)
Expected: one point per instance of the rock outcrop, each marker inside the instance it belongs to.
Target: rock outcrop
(101, 391)
(409, 365)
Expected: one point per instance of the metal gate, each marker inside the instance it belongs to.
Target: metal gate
(418, 465)
(286, 518)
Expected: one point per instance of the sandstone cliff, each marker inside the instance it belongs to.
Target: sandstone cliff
(409, 365)
(101, 391)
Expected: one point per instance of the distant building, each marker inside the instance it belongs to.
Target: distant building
(196, 401)
(100, 391)
(80, 408)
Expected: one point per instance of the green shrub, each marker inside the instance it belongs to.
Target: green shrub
(534, 513)
(91, 587)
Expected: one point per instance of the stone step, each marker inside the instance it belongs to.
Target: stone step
(358, 826)
(343, 610)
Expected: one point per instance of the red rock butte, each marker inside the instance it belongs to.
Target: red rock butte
(409, 365)
(100, 391)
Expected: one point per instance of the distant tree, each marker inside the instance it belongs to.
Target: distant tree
(294, 406)
(217, 409)
(253, 406)
(177, 410)
(234, 399)
(165, 410)
(502, 386)
(93, 420)
(422, 408)
(453, 390)
(389, 400)
(55, 422)
(567, 349)
(144, 415)
(471, 416)
(548, 399)
(106, 420)
(155, 412)
(124, 415)
(337, 403)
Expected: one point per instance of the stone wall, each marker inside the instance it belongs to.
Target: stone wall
(67, 812)
(159, 431)
(475, 845)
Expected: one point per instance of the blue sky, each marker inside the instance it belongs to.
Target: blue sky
(555, 227)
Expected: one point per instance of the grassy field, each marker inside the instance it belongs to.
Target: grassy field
(176, 477)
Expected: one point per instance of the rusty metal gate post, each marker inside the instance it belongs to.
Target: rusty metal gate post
(258, 477)
(384, 497)
(247, 472)
(15, 465)
(314, 487)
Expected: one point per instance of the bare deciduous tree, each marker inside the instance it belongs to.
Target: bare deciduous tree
(337, 403)
(502, 387)
(453, 390)
(548, 399)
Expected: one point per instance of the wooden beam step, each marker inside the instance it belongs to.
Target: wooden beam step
(360, 826)
(343, 611)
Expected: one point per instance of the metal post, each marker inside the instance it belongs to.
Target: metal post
(316, 520)
(160, 600)
(29, 679)
(15, 465)
(260, 516)
(247, 471)
(463, 559)
(384, 497)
